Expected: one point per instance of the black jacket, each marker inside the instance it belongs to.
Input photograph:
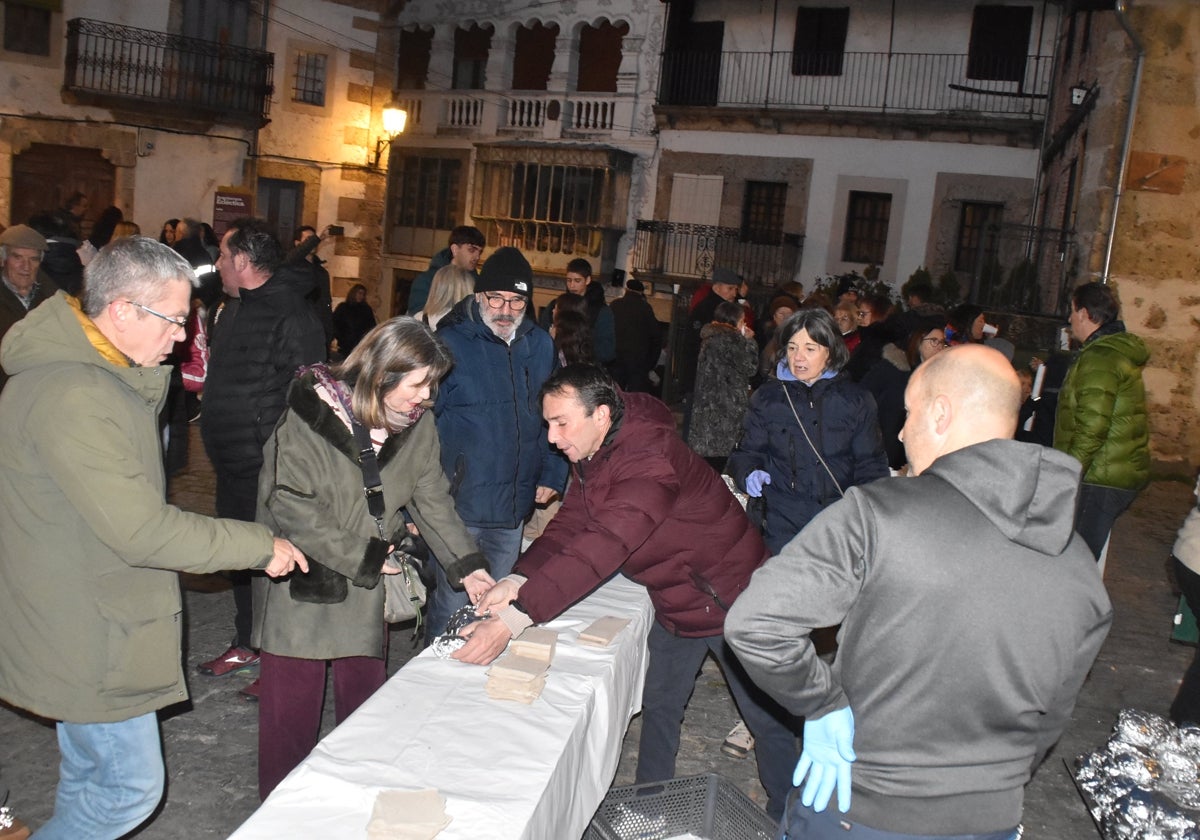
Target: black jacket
(257, 342)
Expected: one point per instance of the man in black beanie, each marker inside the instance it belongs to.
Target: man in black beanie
(494, 448)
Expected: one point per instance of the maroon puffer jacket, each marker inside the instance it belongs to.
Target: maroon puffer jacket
(649, 507)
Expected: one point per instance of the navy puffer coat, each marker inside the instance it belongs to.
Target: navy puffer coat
(841, 421)
(489, 419)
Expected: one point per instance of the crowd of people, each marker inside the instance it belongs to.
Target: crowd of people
(478, 411)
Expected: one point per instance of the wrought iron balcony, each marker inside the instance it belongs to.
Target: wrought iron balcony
(876, 82)
(121, 66)
(678, 251)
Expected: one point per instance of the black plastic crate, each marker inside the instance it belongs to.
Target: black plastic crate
(708, 806)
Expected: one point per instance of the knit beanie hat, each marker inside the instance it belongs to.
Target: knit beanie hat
(506, 270)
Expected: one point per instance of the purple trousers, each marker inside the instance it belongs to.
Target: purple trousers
(291, 695)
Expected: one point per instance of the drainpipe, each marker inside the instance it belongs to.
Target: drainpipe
(1135, 88)
(771, 57)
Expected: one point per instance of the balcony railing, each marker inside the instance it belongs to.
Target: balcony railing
(463, 112)
(869, 82)
(120, 65)
(675, 250)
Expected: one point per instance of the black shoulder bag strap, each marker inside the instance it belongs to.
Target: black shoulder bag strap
(367, 460)
(372, 481)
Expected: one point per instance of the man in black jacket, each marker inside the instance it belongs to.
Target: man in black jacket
(638, 337)
(261, 334)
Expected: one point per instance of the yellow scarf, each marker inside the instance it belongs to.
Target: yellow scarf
(103, 346)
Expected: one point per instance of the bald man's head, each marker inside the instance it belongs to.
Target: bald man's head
(960, 397)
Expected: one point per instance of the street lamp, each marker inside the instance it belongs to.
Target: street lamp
(394, 118)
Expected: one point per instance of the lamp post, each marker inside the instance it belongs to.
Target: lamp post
(394, 118)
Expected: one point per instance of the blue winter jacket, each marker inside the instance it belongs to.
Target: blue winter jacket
(494, 447)
(841, 421)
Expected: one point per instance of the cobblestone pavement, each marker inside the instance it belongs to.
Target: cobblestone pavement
(210, 743)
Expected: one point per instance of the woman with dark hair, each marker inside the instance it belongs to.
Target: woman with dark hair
(809, 434)
(105, 225)
(965, 325)
(208, 237)
(888, 377)
(311, 491)
(572, 330)
(352, 319)
(728, 360)
(167, 236)
(925, 342)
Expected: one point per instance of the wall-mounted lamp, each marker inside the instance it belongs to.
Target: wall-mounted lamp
(394, 118)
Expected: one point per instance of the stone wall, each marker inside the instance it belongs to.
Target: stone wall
(1156, 252)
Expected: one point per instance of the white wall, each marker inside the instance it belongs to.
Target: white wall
(920, 26)
(180, 176)
(307, 132)
(841, 164)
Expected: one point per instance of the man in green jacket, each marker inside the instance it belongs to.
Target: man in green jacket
(90, 612)
(1101, 418)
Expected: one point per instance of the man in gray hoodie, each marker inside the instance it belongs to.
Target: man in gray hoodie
(970, 613)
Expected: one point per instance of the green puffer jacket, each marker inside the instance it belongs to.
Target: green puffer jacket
(90, 618)
(1101, 418)
(311, 491)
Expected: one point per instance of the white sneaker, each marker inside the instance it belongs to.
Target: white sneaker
(738, 742)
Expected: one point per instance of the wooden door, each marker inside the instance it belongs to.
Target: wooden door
(45, 175)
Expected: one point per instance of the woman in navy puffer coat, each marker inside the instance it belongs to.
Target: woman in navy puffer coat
(776, 462)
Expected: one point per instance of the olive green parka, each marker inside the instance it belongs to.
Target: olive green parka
(311, 491)
(90, 612)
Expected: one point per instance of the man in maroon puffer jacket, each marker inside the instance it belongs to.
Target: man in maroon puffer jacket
(643, 504)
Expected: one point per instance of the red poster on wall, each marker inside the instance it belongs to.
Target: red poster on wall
(230, 203)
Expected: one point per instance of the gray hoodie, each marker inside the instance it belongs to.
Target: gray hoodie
(970, 614)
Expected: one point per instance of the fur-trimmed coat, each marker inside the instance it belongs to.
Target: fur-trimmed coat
(311, 491)
(727, 362)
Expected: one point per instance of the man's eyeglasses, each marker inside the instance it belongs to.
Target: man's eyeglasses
(499, 301)
(177, 323)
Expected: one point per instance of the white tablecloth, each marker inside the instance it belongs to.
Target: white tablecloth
(507, 770)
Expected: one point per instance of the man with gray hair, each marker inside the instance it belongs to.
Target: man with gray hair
(21, 289)
(970, 613)
(90, 611)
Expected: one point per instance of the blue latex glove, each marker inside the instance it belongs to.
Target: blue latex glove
(825, 759)
(755, 482)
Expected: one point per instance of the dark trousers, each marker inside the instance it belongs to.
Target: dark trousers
(1186, 706)
(1098, 509)
(291, 696)
(803, 823)
(237, 498)
(670, 679)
